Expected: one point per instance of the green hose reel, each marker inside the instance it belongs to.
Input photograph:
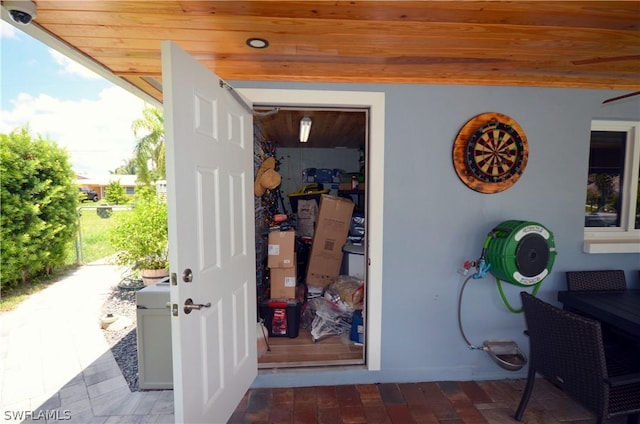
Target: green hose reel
(520, 252)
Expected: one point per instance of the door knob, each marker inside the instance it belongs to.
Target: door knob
(190, 306)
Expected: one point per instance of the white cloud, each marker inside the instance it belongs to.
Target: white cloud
(96, 133)
(7, 30)
(68, 66)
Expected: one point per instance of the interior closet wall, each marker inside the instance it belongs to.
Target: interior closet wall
(294, 160)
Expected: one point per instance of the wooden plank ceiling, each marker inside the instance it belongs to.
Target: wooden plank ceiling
(589, 44)
(329, 129)
(532, 43)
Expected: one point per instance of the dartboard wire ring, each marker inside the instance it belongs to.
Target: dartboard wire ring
(493, 154)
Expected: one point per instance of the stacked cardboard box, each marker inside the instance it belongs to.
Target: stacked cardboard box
(282, 264)
(282, 312)
(330, 235)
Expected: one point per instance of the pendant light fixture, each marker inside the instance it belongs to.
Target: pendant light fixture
(305, 127)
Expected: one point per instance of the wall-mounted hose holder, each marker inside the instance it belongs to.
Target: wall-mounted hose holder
(520, 253)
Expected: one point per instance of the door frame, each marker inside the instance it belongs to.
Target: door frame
(375, 102)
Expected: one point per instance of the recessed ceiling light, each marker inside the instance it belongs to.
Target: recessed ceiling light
(257, 43)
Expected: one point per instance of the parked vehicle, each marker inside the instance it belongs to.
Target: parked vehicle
(88, 194)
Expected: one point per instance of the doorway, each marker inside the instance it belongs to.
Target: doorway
(328, 162)
(373, 103)
(215, 349)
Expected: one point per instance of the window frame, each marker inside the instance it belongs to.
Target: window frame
(625, 238)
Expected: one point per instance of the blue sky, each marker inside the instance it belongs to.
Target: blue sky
(65, 102)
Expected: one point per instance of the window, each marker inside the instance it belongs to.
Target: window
(612, 203)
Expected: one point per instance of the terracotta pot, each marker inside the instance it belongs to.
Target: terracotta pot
(152, 276)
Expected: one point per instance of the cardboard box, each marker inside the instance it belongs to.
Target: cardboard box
(332, 228)
(283, 283)
(281, 249)
(345, 186)
(306, 218)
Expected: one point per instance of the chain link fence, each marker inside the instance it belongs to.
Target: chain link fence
(94, 222)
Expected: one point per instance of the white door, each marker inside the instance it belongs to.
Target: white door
(209, 141)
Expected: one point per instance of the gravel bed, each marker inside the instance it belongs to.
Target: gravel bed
(123, 343)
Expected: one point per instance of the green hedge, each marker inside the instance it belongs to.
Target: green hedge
(38, 207)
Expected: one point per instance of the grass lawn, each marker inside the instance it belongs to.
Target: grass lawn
(94, 232)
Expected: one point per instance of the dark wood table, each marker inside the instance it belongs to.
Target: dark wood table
(619, 309)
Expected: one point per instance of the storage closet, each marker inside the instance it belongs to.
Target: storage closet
(311, 237)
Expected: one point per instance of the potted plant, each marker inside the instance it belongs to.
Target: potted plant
(141, 238)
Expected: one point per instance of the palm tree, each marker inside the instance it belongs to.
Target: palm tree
(604, 183)
(127, 168)
(149, 152)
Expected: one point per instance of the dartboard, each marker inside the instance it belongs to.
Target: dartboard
(490, 152)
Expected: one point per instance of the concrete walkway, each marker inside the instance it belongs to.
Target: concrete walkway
(56, 366)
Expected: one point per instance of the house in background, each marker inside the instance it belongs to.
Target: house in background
(100, 183)
(422, 70)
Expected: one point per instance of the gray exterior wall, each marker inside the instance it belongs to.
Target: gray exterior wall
(433, 223)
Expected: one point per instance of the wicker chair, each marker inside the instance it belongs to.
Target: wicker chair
(596, 280)
(601, 280)
(567, 349)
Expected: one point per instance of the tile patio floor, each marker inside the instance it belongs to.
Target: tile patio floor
(55, 360)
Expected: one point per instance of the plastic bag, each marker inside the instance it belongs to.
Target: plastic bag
(330, 318)
(350, 290)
